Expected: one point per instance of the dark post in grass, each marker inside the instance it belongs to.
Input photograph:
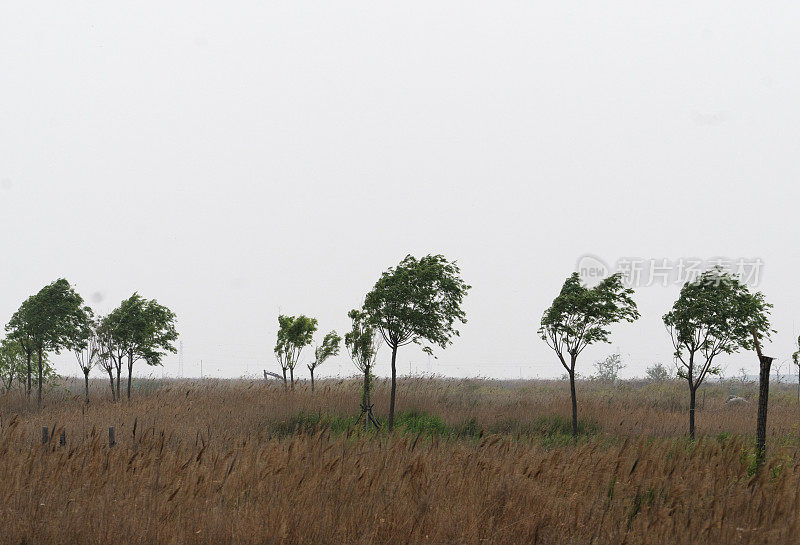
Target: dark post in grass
(763, 398)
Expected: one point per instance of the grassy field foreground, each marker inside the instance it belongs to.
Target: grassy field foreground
(473, 462)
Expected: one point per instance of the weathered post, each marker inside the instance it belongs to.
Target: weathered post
(111, 439)
(45, 435)
(765, 362)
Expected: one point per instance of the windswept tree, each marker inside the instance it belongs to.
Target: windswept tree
(294, 334)
(87, 351)
(329, 348)
(113, 350)
(139, 329)
(419, 301)
(362, 344)
(106, 356)
(713, 315)
(20, 329)
(580, 316)
(51, 320)
(12, 363)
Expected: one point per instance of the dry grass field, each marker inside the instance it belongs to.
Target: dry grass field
(472, 461)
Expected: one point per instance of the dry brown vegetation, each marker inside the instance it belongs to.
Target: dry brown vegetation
(217, 462)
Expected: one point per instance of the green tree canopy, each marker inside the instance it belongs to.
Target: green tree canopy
(581, 316)
(328, 349)
(714, 314)
(419, 301)
(52, 320)
(294, 334)
(141, 329)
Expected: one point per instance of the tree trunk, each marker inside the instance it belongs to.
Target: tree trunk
(86, 383)
(130, 371)
(692, 395)
(763, 400)
(28, 352)
(119, 372)
(365, 399)
(574, 400)
(39, 395)
(394, 388)
(291, 376)
(312, 380)
(285, 387)
(111, 378)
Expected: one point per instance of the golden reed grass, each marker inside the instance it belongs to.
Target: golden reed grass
(205, 466)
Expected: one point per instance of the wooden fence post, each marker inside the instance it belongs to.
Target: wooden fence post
(111, 439)
(45, 435)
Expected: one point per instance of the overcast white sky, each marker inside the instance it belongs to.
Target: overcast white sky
(234, 159)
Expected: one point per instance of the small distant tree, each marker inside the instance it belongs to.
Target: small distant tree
(20, 329)
(608, 368)
(87, 352)
(416, 302)
(710, 317)
(362, 344)
(106, 362)
(658, 372)
(294, 334)
(12, 363)
(580, 316)
(329, 348)
(139, 329)
(113, 350)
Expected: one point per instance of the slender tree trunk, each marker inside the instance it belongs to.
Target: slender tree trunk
(692, 399)
(39, 395)
(86, 383)
(119, 372)
(130, 371)
(394, 388)
(291, 376)
(574, 399)
(285, 387)
(763, 400)
(28, 352)
(365, 399)
(312, 380)
(111, 378)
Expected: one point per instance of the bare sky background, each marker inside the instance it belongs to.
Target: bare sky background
(236, 159)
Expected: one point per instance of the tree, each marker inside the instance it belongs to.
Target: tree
(330, 347)
(580, 316)
(139, 329)
(19, 329)
(608, 369)
(87, 352)
(294, 333)
(712, 316)
(658, 372)
(418, 301)
(51, 320)
(362, 344)
(106, 355)
(12, 363)
(113, 350)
